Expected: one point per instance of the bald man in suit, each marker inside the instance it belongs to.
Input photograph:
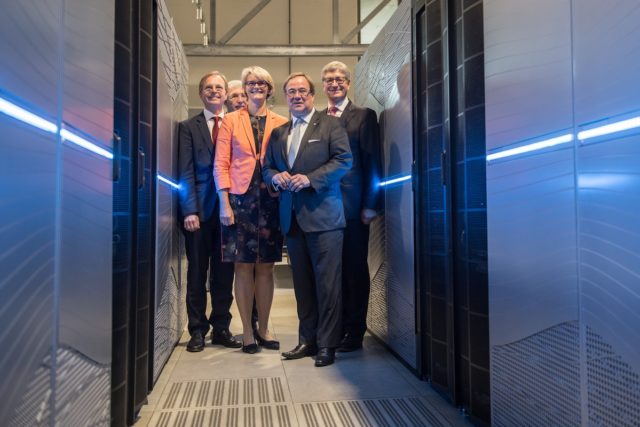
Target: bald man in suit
(305, 161)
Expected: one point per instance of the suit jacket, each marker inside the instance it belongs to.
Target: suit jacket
(360, 186)
(195, 168)
(324, 157)
(236, 154)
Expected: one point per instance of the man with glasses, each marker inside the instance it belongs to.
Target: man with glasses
(361, 196)
(305, 160)
(200, 221)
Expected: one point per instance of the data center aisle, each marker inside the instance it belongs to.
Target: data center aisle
(225, 387)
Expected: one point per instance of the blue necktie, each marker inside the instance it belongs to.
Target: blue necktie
(295, 142)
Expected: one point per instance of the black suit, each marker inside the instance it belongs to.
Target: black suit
(360, 190)
(203, 247)
(313, 221)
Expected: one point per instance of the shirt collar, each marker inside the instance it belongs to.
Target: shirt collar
(306, 118)
(341, 105)
(209, 115)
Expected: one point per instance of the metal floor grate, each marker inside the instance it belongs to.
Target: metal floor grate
(223, 392)
(261, 402)
(401, 412)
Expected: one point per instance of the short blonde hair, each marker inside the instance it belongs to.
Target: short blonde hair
(211, 74)
(336, 66)
(260, 74)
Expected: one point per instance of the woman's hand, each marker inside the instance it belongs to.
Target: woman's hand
(226, 214)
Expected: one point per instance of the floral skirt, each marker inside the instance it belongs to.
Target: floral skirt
(255, 237)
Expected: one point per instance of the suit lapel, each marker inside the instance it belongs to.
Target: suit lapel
(204, 131)
(346, 114)
(308, 133)
(246, 126)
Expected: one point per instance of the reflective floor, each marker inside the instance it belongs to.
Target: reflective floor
(227, 387)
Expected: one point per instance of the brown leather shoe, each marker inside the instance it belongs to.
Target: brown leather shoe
(225, 338)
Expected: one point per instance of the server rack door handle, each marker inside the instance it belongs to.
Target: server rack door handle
(140, 169)
(117, 144)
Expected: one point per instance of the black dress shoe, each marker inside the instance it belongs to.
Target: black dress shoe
(268, 344)
(225, 338)
(196, 343)
(350, 344)
(250, 348)
(301, 350)
(325, 357)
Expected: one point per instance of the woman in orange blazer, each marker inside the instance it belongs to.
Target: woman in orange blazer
(251, 236)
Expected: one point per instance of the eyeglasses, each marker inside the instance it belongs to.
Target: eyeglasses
(303, 92)
(254, 83)
(210, 89)
(336, 80)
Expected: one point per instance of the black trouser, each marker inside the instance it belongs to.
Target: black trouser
(356, 283)
(204, 254)
(315, 264)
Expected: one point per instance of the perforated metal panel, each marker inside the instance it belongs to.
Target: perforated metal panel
(383, 83)
(536, 381)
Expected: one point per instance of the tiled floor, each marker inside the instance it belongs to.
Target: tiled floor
(226, 387)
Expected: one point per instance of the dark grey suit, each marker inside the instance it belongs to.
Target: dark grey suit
(313, 221)
(203, 248)
(360, 190)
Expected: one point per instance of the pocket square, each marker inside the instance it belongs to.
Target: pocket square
(311, 141)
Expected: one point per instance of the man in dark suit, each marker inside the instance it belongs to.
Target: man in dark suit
(361, 196)
(305, 160)
(200, 220)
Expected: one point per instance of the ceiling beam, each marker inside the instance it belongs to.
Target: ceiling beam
(276, 50)
(244, 21)
(365, 21)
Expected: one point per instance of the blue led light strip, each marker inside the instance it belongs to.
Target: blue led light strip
(72, 137)
(563, 139)
(25, 116)
(19, 113)
(394, 180)
(168, 182)
(610, 128)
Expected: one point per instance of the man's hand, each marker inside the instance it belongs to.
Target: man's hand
(367, 215)
(298, 182)
(191, 223)
(281, 180)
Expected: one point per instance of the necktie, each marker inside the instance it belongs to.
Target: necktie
(333, 111)
(295, 142)
(216, 128)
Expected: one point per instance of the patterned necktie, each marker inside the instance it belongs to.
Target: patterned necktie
(215, 129)
(295, 142)
(333, 111)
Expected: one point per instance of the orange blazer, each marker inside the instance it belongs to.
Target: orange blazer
(236, 154)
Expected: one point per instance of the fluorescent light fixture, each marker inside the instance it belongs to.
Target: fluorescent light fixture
(394, 180)
(72, 137)
(168, 181)
(563, 139)
(25, 116)
(610, 128)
